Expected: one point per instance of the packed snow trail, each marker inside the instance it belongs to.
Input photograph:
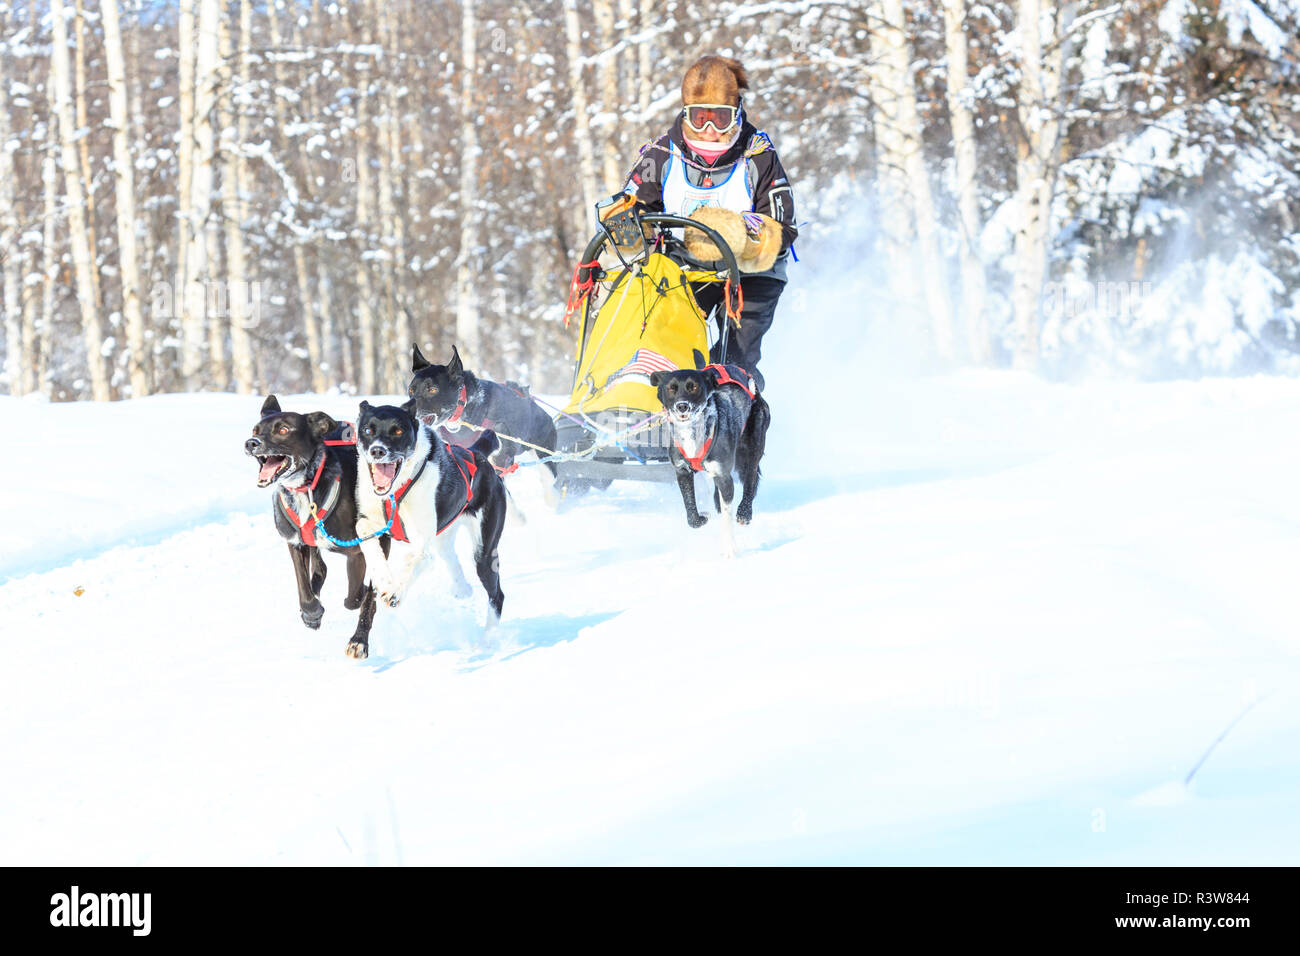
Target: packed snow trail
(978, 619)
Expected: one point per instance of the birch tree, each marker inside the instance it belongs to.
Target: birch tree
(191, 358)
(962, 117)
(584, 218)
(467, 312)
(1044, 39)
(609, 99)
(394, 235)
(9, 218)
(83, 146)
(194, 300)
(365, 294)
(124, 194)
(49, 242)
(92, 330)
(31, 301)
(907, 210)
(301, 268)
(234, 186)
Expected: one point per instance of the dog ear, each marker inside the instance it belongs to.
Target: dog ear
(320, 424)
(271, 406)
(454, 367)
(418, 361)
(656, 378)
(699, 358)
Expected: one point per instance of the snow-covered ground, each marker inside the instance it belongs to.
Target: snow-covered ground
(978, 619)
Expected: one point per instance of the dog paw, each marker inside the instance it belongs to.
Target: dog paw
(744, 516)
(462, 590)
(391, 598)
(311, 615)
(358, 650)
(697, 521)
(352, 603)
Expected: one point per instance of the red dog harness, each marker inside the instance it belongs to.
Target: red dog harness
(307, 529)
(453, 439)
(697, 461)
(734, 375)
(727, 375)
(464, 460)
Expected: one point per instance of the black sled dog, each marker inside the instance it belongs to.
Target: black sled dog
(447, 397)
(310, 460)
(719, 426)
(423, 488)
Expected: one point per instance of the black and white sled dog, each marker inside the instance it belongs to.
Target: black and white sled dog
(448, 397)
(308, 459)
(434, 487)
(719, 426)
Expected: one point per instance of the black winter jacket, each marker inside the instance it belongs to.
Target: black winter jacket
(767, 179)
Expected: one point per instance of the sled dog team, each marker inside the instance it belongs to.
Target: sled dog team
(395, 486)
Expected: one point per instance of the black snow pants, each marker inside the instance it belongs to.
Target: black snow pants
(744, 345)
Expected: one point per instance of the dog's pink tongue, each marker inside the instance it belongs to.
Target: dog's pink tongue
(269, 468)
(386, 471)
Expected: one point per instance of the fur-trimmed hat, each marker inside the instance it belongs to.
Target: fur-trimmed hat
(714, 79)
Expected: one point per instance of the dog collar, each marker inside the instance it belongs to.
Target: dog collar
(461, 400)
(309, 488)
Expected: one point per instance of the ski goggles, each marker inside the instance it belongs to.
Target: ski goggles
(721, 118)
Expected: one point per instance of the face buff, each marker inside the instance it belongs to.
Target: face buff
(711, 151)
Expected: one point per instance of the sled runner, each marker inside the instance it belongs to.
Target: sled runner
(637, 315)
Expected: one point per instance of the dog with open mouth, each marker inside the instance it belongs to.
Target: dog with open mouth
(314, 477)
(448, 397)
(719, 426)
(422, 489)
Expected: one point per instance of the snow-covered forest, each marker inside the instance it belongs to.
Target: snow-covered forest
(238, 195)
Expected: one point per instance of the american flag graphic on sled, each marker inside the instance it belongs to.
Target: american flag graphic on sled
(643, 362)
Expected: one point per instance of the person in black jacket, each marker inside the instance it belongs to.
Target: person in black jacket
(715, 166)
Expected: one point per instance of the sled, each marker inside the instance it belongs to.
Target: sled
(637, 315)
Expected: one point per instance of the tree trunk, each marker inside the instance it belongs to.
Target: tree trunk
(334, 357)
(961, 113)
(390, 160)
(9, 231)
(124, 183)
(585, 217)
(609, 100)
(301, 268)
(49, 250)
(92, 330)
(1038, 104)
(197, 276)
(907, 205)
(467, 317)
(645, 71)
(346, 365)
(233, 189)
(365, 294)
(191, 357)
(83, 150)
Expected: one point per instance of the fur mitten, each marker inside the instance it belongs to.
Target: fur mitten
(755, 239)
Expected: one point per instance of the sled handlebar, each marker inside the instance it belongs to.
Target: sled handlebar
(665, 221)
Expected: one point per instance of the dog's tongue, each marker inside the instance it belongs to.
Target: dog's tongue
(384, 474)
(269, 468)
